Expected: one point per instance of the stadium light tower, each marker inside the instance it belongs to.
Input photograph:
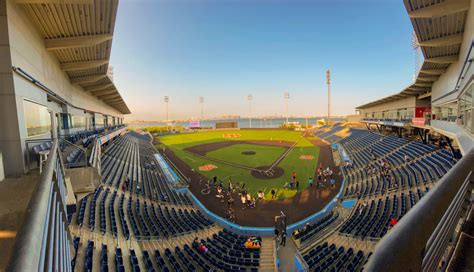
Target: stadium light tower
(286, 96)
(328, 79)
(250, 98)
(416, 46)
(201, 101)
(167, 99)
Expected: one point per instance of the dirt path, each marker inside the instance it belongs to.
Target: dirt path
(302, 205)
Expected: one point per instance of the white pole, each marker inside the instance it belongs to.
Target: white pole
(286, 106)
(328, 78)
(167, 99)
(201, 101)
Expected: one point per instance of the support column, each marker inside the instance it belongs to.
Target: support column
(10, 143)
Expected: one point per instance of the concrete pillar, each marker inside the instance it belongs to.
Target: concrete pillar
(10, 143)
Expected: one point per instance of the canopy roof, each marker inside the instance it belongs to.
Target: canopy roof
(439, 27)
(79, 33)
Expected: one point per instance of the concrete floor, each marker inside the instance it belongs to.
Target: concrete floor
(15, 194)
(286, 256)
(463, 259)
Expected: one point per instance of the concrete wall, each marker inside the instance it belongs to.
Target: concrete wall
(10, 144)
(447, 82)
(22, 46)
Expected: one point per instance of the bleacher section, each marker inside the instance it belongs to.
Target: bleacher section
(131, 157)
(386, 176)
(426, 163)
(136, 204)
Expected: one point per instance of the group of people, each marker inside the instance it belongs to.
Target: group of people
(253, 243)
(126, 183)
(280, 236)
(226, 194)
(306, 228)
(294, 183)
(323, 176)
(348, 164)
(381, 167)
(199, 246)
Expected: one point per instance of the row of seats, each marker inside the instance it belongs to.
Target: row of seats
(121, 160)
(226, 252)
(311, 230)
(75, 156)
(326, 257)
(144, 219)
(373, 218)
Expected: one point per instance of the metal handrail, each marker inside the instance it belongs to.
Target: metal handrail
(94, 158)
(43, 241)
(417, 242)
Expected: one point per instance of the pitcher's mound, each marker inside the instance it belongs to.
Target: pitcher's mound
(263, 173)
(249, 153)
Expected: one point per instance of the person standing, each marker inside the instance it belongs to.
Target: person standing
(243, 199)
(283, 239)
(310, 181)
(273, 193)
(277, 232)
(297, 185)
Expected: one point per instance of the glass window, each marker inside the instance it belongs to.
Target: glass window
(466, 108)
(64, 121)
(78, 121)
(38, 119)
(468, 119)
(99, 121)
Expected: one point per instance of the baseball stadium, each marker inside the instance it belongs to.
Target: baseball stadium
(94, 177)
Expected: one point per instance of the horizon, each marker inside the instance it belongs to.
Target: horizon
(223, 51)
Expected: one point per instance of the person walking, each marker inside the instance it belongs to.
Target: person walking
(310, 181)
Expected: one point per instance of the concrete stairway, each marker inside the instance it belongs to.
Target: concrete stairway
(267, 255)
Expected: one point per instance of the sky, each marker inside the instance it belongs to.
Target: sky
(224, 50)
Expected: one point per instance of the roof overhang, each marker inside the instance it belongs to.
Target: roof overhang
(79, 33)
(439, 27)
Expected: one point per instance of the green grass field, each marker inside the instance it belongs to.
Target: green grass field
(265, 155)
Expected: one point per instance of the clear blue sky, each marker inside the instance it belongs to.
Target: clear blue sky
(224, 50)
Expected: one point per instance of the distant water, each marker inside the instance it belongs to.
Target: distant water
(242, 123)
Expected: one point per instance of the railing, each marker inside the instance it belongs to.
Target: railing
(419, 241)
(43, 242)
(94, 159)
